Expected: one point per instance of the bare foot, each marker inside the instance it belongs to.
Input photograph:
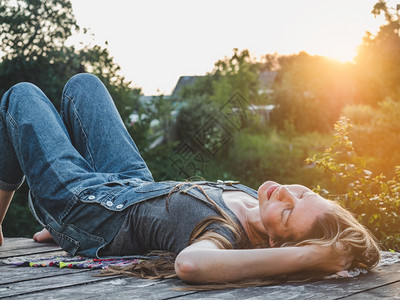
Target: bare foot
(43, 236)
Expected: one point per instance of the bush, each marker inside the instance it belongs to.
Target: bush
(255, 158)
(374, 200)
(375, 134)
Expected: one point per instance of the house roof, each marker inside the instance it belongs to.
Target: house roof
(183, 81)
(265, 78)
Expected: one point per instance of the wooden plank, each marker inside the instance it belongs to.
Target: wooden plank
(121, 288)
(41, 252)
(13, 274)
(14, 247)
(10, 260)
(142, 289)
(326, 289)
(23, 243)
(33, 283)
(391, 291)
(48, 283)
(8, 240)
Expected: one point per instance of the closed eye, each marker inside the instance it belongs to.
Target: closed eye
(285, 215)
(304, 194)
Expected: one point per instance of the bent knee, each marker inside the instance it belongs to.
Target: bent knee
(24, 89)
(21, 92)
(82, 80)
(81, 88)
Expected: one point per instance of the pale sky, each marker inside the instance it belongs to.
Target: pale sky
(157, 41)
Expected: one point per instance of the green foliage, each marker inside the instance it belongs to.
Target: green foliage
(378, 79)
(33, 28)
(192, 116)
(374, 200)
(239, 73)
(310, 92)
(33, 35)
(375, 133)
(155, 121)
(261, 157)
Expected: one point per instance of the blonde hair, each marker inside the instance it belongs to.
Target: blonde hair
(337, 228)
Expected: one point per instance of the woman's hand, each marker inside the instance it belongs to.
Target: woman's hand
(329, 259)
(5, 200)
(1, 236)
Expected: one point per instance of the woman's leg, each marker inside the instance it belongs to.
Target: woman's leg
(97, 130)
(35, 142)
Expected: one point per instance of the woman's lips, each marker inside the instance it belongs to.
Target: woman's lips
(271, 190)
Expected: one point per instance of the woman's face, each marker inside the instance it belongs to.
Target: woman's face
(288, 211)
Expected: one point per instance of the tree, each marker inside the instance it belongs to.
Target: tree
(239, 73)
(378, 58)
(310, 92)
(31, 29)
(34, 35)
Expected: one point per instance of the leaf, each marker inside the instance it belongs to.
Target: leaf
(385, 188)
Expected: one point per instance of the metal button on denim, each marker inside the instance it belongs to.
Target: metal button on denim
(109, 203)
(119, 206)
(91, 197)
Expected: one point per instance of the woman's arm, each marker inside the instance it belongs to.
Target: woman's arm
(5, 200)
(203, 262)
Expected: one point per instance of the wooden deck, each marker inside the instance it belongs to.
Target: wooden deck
(55, 283)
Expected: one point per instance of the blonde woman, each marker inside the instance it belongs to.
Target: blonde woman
(95, 196)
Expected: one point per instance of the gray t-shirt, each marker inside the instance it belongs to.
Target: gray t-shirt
(149, 226)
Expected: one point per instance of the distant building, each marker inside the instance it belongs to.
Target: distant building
(183, 81)
(263, 111)
(266, 80)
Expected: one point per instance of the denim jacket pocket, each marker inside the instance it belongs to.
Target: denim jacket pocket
(66, 242)
(118, 195)
(103, 194)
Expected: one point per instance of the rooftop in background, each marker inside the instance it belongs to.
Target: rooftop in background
(265, 78)
(183, 81)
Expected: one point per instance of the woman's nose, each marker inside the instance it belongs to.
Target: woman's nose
(285, 195)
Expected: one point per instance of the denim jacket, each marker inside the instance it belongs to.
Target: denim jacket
(99, 211)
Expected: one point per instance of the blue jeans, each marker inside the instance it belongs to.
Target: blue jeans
(62, 155)
(82, 167)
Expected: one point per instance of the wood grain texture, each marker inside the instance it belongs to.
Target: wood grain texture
(55, 283)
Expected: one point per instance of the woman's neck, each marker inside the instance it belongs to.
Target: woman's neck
(246, 208)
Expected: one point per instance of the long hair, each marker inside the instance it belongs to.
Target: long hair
(337, 228)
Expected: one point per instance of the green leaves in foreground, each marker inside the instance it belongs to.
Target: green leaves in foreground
(374, 200)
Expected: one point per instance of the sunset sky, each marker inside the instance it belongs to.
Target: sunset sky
(156, 41)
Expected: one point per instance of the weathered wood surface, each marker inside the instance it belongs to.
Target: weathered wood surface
(54, 283)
